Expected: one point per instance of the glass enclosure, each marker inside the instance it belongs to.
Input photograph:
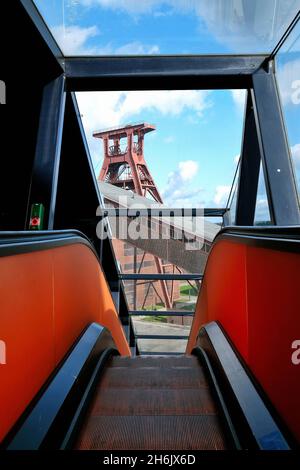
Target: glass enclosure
(288, 77)
(262, 213)
(171, 135)
(184, 145)
(118, 27)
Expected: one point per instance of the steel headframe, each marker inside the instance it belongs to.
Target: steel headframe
(264, 140)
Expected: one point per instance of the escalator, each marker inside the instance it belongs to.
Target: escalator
(98, 400)
(71, 376)
(153, 403)
(74, 381)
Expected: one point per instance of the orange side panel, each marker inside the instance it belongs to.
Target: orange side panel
(254, 293)
(223, 295)
(47, 299)
(81, 296)
(274, 306)
(26, 326)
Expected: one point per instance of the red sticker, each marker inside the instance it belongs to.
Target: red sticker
(35, 221)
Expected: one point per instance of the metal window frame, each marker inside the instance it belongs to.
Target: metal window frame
(252, 72)
(274, 149)
(157, 72)
(264, 124)
(43, 187)
(43, 29)
(264, 137)
(249, 168)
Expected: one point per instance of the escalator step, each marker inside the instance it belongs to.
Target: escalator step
(153, 402)
(153, 361)
(161, 403)
(152, 433)
(154, 377)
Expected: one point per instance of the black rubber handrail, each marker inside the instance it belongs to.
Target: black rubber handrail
(256, 425)
(47, 420)
(270, 237)
(13, 243)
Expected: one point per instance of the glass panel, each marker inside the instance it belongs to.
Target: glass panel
(118, 27)
(231, 215)
(288, 76)
(170, 149)
(148, 296)
(190, 150)
(262, 213)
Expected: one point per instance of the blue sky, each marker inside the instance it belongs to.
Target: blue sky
(198, 133)
(167, 26)
(288, 75)
(193, 153)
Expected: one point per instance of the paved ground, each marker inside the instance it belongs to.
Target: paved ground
(161, 345)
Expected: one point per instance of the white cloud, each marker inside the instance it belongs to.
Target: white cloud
(188, 198)
(169, 139)
(239, 97)
(73, 40)
(262, 205)
(236, 159)
(129, 6)
(295, 151)
(228, 21)
(136, 48)
(288, 77)
(262, 210)
(261, 189)
(188, 170)
(177, 192)
(105, 109)
(221, 195)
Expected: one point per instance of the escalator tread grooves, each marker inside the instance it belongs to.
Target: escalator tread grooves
(159, 403)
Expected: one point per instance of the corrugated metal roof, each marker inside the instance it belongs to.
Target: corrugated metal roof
(129, 199)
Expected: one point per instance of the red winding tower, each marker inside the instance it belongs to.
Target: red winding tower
(124, 165)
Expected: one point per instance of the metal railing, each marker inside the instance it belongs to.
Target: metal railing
(161, 212)
(160, 277)
(114, 150)
(134, 313)
(165, 313)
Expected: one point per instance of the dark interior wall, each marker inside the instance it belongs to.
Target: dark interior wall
(26, 66)
(77, 199)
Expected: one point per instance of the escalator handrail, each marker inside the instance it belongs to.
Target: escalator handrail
(13, 243)
(251, 414)
(231, 432)
(46, 420)
(285, 238)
